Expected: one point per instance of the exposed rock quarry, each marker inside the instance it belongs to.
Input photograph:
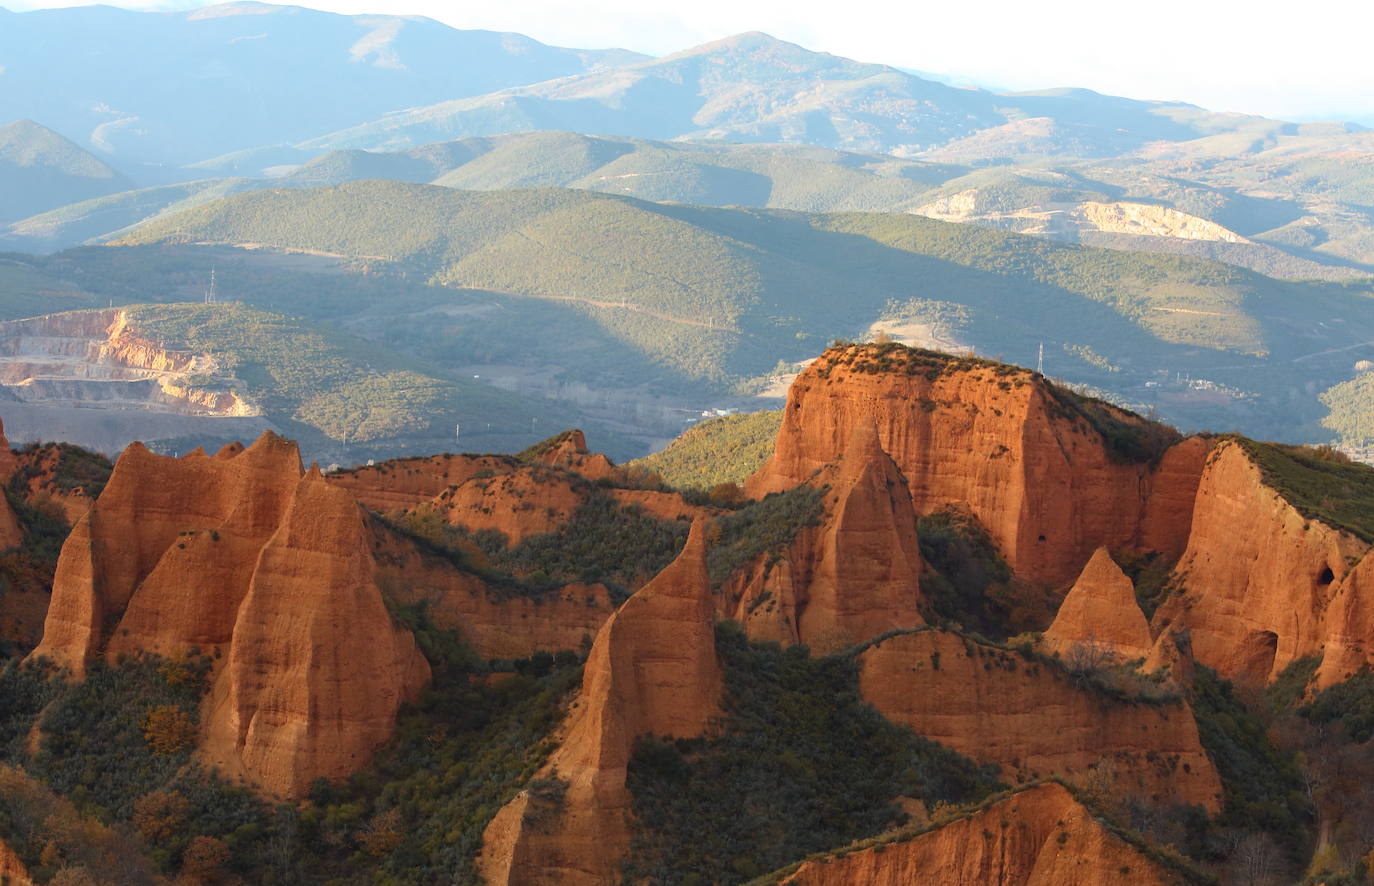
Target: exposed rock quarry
(1037, 837)
(1032, 720)
(651, 671)
(240, 554)
(1101, 610)
(1019, 455)
(1069, 221)
(89, 378)
(849, 579)
(1261, 583)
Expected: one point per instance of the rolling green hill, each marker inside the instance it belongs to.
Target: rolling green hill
(716, 296)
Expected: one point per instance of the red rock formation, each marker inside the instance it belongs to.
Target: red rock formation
(849, 579)
(301, 697)
(1101, 610)
(40, 466)
(1031, 720)
(404, 483)
(1257, 577)
(519, 504)
(1172, 654)
(169, 524)
(239, 554)
(1019, 454)
(9, 462)
(11, 535)
(1037, 837)
(652, 670)
(571, 454)
(495, 624)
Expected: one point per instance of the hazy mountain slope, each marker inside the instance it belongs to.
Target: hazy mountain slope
(718, 295)
(179, 87)
(754, 88)
(100, 217)
(41, 170)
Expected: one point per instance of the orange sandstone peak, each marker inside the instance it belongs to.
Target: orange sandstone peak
(167, 551)
(571, 453)
(651, 671)
(852, 577)
(1040, 836)
(1032, 720)
(1101, 609)
(334, 699)
(1023, 456)
(243, 555)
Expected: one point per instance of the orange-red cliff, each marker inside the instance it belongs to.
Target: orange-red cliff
(1037, 837)
(651, 671)
(1032, 720)
(240, 553)
(1261, 584)
(1023, 456)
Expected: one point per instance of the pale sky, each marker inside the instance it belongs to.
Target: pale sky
(1296, 60)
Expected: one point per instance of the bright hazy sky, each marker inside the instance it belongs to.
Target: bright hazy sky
(1297, 60)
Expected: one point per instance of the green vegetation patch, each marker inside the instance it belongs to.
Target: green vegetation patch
(319, 376)
(965, 569)
(620, 547)
(766, 526)
(727, 449)
(1128, 437)
(121, 732)
(1320, 482)
(1262, 784)
(798, 764)
(1290, 687)
(1349, 703)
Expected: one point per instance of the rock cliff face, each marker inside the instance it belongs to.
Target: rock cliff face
(1101, 610)
(11, 536)
(495, 624)
(1038, 837)
(242, 555)
(852, 577)
(404, 483)
(1031, 720)
(1026, 459)
(571, 454)
(1261, 584)
(300, 697)
(651, 671)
